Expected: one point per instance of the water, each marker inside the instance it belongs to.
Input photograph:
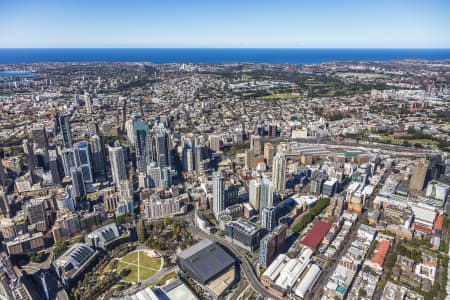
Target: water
(16, 74)
(216, 56)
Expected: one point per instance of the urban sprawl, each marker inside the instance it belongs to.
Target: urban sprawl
(236, 181)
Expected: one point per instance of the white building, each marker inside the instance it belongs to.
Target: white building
(308, 281)
(437, 190)
(218, 204)
(279, 172)
(118, 166)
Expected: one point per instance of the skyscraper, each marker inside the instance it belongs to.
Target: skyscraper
(129, 125)
(78, 187)
(4, 204)
(98, 156)
(69, 160)
(87, 102)
(272, 244)
(35, 213)
(142, 140)
(214, 142)
(154, 174)
(256, 144)
(64, 126)
(268, 218)
(41, 155)
(162, 148)
(187, 155)
(434, 161)
(255, 193)
(266, 196)
(68, 201)
(273, 130)
(2, 174)
(29, 154)
(419, 176)
(53, 166)
(269, 152)
(279, 172)
(125, 188)
(166, 177)
(218, 204)
(83, 160)
(198, 157)
(267, 250)
(118, 166)
(249, 158)
(39, 136)
(231, 196)
(93, 128)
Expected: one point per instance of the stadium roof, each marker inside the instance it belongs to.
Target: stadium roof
(205, 260)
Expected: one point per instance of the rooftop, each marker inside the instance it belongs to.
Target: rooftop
(206, 259)
(316, 235)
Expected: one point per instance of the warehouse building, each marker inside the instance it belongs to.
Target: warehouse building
(307, 282)
(313, 239)
(282, 275)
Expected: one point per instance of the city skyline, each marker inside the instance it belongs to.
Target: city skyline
(241, 149)
(234, 24)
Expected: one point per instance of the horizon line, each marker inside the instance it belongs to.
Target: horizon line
(232, 48)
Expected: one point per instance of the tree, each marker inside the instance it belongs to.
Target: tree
(124, 272)
(140, 231)
(37, 257)
(60, 247)
(309, 216)
(362, 293)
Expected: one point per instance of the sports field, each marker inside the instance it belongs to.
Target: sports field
(362, 75)
(143, 264)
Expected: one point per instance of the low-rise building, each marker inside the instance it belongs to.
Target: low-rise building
(25, 243)
(104, 237)
(243, 234)
(74, 262)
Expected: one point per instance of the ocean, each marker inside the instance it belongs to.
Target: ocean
(215, 55)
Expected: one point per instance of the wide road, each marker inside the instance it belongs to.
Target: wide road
(247, 267)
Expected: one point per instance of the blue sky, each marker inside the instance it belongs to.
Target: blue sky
(226, 23)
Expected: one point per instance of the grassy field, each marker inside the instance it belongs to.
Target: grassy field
(400, 141)
(140, 264)
(280, 96)
(318, 84)
(362, 75)
(166, 278)
(130, 258)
